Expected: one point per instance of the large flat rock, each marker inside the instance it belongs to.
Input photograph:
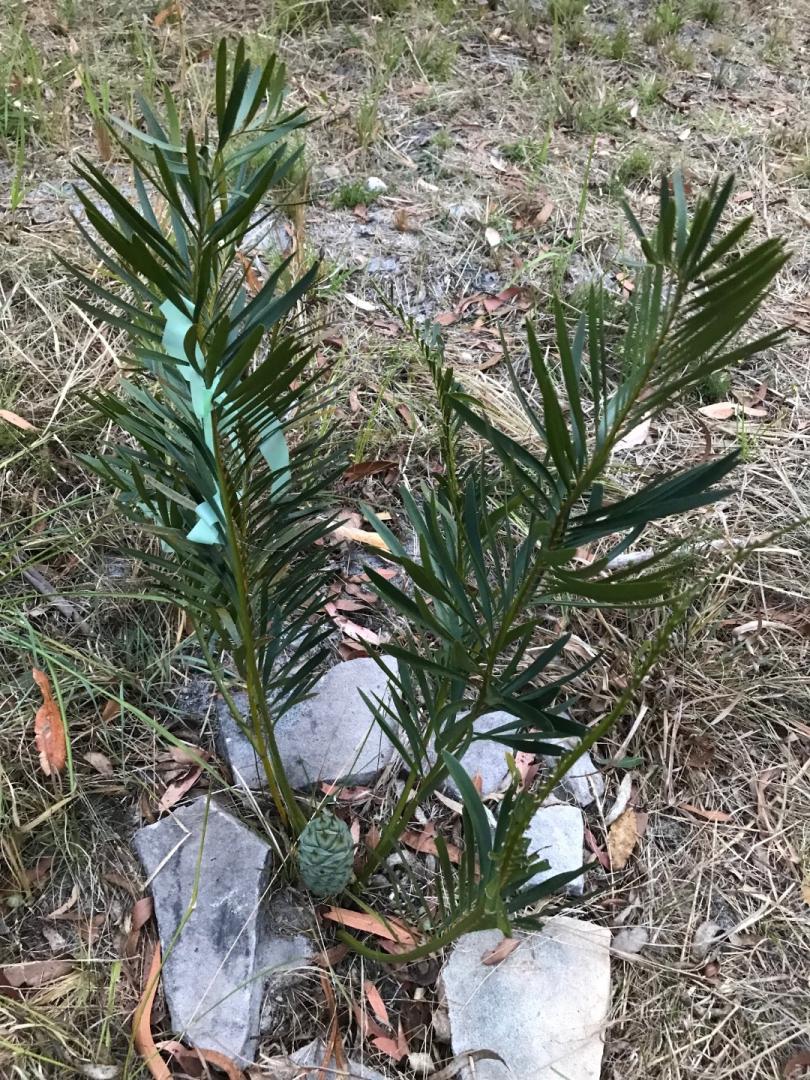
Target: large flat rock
(542, 1010)
(557, 834)
(212, 960)
(330, 736)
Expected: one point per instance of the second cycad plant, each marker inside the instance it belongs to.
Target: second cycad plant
(240, 511)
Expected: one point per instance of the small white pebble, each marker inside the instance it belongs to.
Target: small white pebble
(421, 1063)
(374, 183)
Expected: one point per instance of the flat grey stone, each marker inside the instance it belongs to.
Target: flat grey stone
(212, 988)
(310, 1057)
(583, 781)
(557, 833)
(542, 1009)
(330, 736)
(485, 759)
(382, 264)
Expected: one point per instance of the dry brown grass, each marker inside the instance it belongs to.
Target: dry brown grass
(723, 723)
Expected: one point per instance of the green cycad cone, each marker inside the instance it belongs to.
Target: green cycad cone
(325, 854)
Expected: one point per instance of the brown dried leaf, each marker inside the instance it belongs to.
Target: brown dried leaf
(36, 972)
(708, 815)
(175, 791)
(100, 762)
(725, 410)
(622, 839)
(49, 731)
(362, 469)
(376, 1002)
(171, 10)
(16, 421)
(796, 1064)
(142, 1024)
(390, 929)
(359, 536)
(424, 843)
(111, 710)
(636, 436)
(403, 222)
(504, 948)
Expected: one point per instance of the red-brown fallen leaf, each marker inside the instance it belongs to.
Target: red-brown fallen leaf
(795, 1064)
(360, 633)
(367, 1024)
(186, 754)
(189, 1057)
(446, 318)
(36, 973)
(376, 1002)
(709, 815)
(16, 421)
(505, 947)
(362, 469)
(331, 956)
(140, 915)
(142, 1023)
(111, 710)
(424, 842)
(390, 929)
(592, 844)
(542, 216)
(254, 286)
(351, 650)
(171, 10)
(49, 731)
(395, 1048)
(724, 410)
(343, 604)
(175, 791)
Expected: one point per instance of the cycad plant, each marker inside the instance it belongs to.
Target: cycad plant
(222, 372)
(238, 510)
(499, 534)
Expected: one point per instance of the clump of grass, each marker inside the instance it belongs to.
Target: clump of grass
(352, 193)
(635, 166)
(442, 140)
(665, 22)
(585, 103)
(435, 55)
(620, 43)
(709, 12)
(529, 152)
(367, 123)
(680, 55)
(650, 89)
(568, 17)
